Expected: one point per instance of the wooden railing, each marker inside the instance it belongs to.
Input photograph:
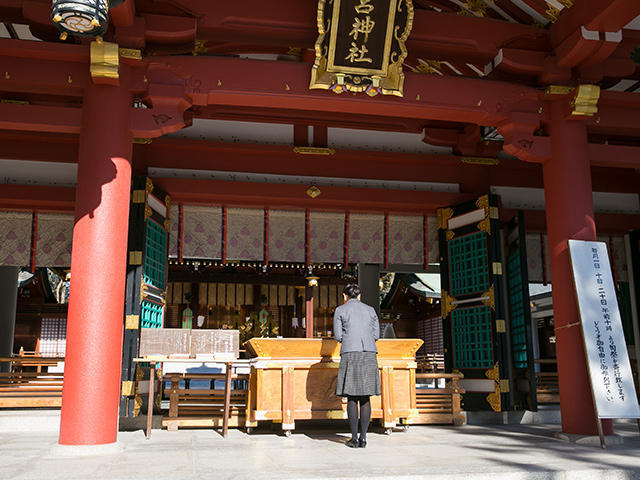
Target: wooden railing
(439, 405)
(431, 362)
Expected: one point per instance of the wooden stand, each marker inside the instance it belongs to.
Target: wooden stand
(199, 407)
(295, 379)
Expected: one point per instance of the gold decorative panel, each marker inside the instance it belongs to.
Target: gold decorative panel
(361, 45)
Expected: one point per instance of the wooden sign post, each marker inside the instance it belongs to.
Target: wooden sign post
(612, 386)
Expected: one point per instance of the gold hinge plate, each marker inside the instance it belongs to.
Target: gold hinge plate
(444, 214)
(501, 326)
(135, 257)
(139, 196)
(132, 322)
(128, 388)
(489, 298)
(497, 268)
(446, 306)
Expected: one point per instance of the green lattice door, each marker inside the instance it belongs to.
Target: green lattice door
(523, 372)
(154, 268)
(146, 280)
(472, 310)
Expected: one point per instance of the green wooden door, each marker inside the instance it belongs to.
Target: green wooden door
(146, 280)
(472, 308)
(523, 372)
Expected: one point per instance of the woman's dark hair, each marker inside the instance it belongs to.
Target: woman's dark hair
(352, 290)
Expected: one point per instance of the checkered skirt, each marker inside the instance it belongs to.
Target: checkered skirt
(358, 375)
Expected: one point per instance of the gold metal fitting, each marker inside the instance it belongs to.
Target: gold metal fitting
(313, 191)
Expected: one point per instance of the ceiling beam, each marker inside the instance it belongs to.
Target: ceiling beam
(294, 196)
(594, 15)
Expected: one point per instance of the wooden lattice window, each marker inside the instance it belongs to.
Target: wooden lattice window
(468, 264)
(472, 343)
(53, 337)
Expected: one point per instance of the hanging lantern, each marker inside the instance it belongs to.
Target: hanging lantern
(82, 17)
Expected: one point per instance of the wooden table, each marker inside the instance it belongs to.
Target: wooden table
(157, 362)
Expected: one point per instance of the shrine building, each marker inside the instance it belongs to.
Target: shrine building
(227, 165)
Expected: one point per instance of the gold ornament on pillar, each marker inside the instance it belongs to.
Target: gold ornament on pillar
(105, 62)
(585, 100)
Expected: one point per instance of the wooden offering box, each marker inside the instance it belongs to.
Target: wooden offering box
(295, 379)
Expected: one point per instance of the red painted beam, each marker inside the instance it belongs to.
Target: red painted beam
(434, 35)
(606, 223)
(38, 146)
(38, 118)
(619, 156)
(280, 89)
(264, 195)
(124, 14)
(58, 52)
(257, 24)
(285, 86)
(279, 159)
(40, 198)
(598, 15)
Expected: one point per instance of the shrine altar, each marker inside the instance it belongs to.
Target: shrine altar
(295, 379)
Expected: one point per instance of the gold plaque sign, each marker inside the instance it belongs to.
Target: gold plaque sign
(361, 45)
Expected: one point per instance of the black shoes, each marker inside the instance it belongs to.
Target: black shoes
(356, 443)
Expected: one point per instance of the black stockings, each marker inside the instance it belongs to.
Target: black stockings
(365, 416)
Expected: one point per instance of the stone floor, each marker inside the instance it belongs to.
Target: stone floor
(317, 451)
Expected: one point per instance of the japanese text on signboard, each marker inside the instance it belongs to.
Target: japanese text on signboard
(604, 337)
(605, 347)
(362, 33)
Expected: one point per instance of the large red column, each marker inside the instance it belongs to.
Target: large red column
(569, 212)
(98, 267)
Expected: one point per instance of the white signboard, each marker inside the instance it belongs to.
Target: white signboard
(608, 360)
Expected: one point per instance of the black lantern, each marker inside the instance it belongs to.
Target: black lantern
(87, 18)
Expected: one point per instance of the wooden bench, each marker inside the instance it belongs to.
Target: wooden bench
(206, 407)
(30, 389)
(547, 387)
(547, 383)
(27, 359)
(30, 360)
(439, 405)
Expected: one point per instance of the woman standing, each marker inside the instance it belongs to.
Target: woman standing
(356, 326)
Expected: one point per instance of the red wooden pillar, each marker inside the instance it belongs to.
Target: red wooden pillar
(569, 212)
(309, 311)
(98, 266)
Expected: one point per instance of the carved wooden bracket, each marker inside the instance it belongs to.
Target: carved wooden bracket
(520, 139)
